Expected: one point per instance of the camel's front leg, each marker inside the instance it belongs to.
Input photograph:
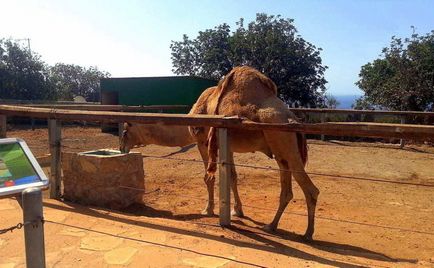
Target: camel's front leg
(209, 181)
(238, 208)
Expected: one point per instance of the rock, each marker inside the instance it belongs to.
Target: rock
(107, 180)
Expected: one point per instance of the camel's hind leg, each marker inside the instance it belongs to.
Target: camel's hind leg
(209, 181)
(285, 193)
(238, 209)
(285, 145)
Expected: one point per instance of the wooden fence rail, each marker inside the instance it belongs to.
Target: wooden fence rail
(100, 107)
(126, 108)
(372, 130)
(400, 114)
(55, 116)
(350, 111)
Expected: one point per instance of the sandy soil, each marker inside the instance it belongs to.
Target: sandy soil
(359, 222)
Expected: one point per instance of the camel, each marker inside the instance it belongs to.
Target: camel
(247, 93)
(142, 135)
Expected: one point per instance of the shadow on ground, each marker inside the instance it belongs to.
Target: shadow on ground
(266, 243)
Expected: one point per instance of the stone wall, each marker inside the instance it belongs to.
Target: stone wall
(103, 180)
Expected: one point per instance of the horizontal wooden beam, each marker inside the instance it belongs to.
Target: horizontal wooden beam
(350, 111)
(352, 129)
(373, 130)
(119, 117)
(91, 106)
(100, 107)
(20, 102)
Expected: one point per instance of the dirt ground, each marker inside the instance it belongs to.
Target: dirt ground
(360, 223)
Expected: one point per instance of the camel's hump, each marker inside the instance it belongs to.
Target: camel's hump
(245, 76)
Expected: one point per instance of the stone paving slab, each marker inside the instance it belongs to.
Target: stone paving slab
(206, 262)
(84, 237)
(120, 256)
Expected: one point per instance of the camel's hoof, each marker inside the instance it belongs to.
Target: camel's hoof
(207, 212)
(269, 228)
(238, 213)
(307, 237)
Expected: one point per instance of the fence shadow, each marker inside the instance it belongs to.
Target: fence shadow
(332, 247)
(382, 145)
(268, 245)
(182, 150)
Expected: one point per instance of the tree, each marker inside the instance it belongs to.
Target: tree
(73, 80)
(403, 78)
(331, 102)
(22, 74)
(270, 44)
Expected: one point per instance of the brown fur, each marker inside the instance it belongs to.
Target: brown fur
(247, 93)
(142, 135)
(245, 76)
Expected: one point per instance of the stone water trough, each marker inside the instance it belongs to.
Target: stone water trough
(105, 178)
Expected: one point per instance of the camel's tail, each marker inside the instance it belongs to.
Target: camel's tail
(212, 151)
(212, 135)
(222, 88)
(302, 147)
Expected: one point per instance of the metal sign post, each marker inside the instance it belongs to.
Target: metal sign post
(33, 227)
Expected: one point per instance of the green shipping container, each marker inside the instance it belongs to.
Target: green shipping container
(171, 90)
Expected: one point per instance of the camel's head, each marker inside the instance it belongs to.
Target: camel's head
(128, 138)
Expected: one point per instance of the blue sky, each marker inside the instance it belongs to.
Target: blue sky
(132, 38)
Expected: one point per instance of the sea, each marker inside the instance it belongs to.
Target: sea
(346, 101)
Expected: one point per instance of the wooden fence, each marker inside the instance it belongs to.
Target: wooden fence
(101, 107)
(55, 116)
(401, 115)
(373, 112)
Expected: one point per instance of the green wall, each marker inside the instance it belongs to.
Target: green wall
(176, 90)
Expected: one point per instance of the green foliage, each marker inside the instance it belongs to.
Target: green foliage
(403, 78)
(269, 44)
(331, 102)
(23, 75)
(363, 104)
(73, 80)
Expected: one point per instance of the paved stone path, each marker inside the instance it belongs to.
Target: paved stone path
(77, 236)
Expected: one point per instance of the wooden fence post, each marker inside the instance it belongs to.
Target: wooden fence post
(402, 141)
(224, 178)
(54, 136)
(3, 126)
(322, 121)
(120, 129)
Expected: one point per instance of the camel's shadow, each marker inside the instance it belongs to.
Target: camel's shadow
(259, 235)
(266, 241)
(332, 247)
